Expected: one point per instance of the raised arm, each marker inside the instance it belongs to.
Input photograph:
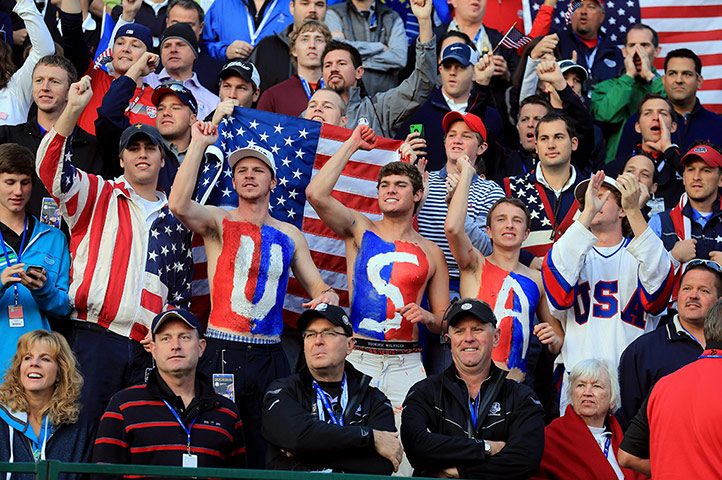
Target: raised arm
(468, 258)
(74, 43)
(79, 95)
(198, 218)
(338, 217)
(42, 44)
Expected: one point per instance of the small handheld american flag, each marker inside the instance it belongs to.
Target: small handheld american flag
(573, 5)
(515, 39)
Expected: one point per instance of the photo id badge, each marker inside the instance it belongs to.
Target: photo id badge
(223, 385)
(190, 460)
(50, 213)
(15, 313)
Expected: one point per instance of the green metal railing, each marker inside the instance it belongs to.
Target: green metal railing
(51, 469)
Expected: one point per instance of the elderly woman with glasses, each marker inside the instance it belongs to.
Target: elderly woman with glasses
(585, 441)
(39, 410)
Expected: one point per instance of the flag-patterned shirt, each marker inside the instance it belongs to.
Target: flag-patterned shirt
(124, 271)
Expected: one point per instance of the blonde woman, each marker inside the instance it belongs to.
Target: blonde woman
(39, 410)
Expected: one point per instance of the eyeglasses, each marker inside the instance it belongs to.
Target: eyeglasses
(697, 262)
(325, 335)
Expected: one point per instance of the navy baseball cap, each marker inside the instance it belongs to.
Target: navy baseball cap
(244, 69)
(336, 315)
(473, 307)
(136, 30)
(177, 89)
(460, 52)
(140, 129)
(180, 314)
(181, 31)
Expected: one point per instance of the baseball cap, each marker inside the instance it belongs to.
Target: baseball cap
(177, 89)
(470, 306)
(253, 151)
(566, 65)
(140, 129)
(581, 188)
(180, 314)
(136, 30)
(709, 155)
(336, 315)
(460, 52)
(471, 120)
(181, 31)
(244, 69)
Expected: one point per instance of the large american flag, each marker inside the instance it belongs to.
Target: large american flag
(693, 24)
(300, 147)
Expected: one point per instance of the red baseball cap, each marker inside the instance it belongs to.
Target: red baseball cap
(471, 121)
(709, 155)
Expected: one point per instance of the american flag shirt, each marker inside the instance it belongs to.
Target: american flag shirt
(123, 272)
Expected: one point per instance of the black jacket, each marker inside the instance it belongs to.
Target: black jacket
(272, 58)
(86, 153)
(291, 424)
(437, 432)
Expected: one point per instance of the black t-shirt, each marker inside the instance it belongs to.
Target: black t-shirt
(13, 239)
(333, 391)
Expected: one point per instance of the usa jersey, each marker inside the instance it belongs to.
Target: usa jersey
(250, 280)
(386, 276)
(514, 299)
(605, 297)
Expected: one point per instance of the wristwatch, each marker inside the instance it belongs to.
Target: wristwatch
(487, 448)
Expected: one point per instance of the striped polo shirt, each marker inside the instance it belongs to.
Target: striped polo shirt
(482, 195)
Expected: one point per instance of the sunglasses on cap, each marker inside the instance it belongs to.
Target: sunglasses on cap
(711, 264)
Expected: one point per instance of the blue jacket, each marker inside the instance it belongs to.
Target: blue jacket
(699, 124)
(709, 236)
(607, 62)
(66, 442)
(47, 248)
(649, 358)
(230, 20)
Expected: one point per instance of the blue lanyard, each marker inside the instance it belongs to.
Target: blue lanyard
(307, 87)
(474, 409)
(188, 429)
(710, 356)
(7, 257)
(22, 243)
(607, 443)
(321, 396)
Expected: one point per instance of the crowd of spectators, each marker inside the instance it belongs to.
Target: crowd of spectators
(537, 293)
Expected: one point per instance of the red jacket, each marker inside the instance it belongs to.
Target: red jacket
(571, 452)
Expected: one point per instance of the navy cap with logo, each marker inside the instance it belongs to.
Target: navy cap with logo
(177, 89)
(336, 315)
(142, 129)
(180, 314)
(136, 30)
(244, 69)
(181, 31)
(460, 52)
(470, 306)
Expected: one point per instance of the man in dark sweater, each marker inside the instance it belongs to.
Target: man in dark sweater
(176, 418)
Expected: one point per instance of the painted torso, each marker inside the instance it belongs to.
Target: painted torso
(514, 298)
(250, 280)
(386, 276)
